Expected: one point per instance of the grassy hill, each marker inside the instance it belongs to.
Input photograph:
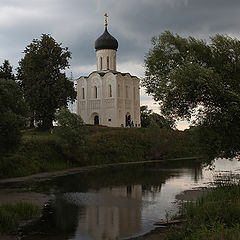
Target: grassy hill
(42, 151)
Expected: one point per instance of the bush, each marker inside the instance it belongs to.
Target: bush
(116, 145)
(36, 154)
(71, 131)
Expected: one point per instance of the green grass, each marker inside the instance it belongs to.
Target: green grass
(214, 216)
(41, 151)
(11, 214)
(37, 153)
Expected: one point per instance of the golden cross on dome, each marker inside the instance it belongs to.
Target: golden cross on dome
(106, 16)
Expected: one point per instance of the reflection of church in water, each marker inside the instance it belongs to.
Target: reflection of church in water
(115, 220)
(108, 97)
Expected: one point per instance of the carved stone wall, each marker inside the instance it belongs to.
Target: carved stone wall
(110, 96)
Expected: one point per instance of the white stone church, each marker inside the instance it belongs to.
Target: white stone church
(108, 97)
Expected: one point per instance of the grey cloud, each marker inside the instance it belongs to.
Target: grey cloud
(78, 23)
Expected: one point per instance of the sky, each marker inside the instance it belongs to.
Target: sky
(78, 23)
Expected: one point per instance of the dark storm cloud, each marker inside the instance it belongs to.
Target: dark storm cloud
(193, 17)
(78, 23)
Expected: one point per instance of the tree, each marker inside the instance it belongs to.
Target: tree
(151, 119)
(12, 118)
(72, 132)
(145, 119)
(44, 82)
(198, 81)
(6, 71)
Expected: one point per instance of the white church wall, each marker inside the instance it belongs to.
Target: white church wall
(128, 83)
(94, 98)
(109, 79)
(109, 118)
(109, 100)
(106, 59)
(94, 81)
(111, 108)
(120, 100)
(136, 102)
(82, 98)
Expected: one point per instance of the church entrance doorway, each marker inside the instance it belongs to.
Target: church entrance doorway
(128, 120)
(96, 120)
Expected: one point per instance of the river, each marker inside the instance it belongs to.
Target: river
(121, 202)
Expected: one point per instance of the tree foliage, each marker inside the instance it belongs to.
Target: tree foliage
(12, 118)
(46, 87)
(6, 71)
(198, 81)
(71, 130)
(151, 119)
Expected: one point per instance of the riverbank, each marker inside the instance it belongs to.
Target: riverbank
(43, 152)
(43, 176)
(213, 215)
(162, 231)
(12, 214)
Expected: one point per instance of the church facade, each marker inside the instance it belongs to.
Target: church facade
(108, 97)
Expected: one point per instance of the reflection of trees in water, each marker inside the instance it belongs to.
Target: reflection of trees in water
(151, 190)
(58, 221)
(149, 174)
(194, 167)
(127, 182)
(197, 173)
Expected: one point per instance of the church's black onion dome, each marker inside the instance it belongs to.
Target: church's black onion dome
(106, 41)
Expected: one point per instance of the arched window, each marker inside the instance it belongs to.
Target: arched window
(109, 90)
(95, 92)
(83, 93)
(107, 62)
(118, 90)
(114, 63)
(100, 63)
(134, 93)
(126, 91)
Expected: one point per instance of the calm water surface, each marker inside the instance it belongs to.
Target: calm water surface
(121, 202)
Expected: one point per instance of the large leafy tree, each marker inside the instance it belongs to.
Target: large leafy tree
(198, 81)
(12, 118)
(152, 119)
(45, 85)
(6, 71)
